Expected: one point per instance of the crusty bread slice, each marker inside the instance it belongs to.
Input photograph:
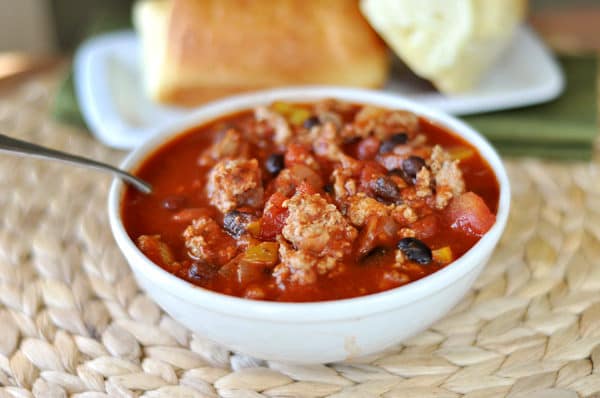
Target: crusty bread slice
(449, 42)
(198, 50)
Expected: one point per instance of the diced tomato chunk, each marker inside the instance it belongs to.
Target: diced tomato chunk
(301, 173)
(370, 171)
(296, 154)
(469, 213)
(426, 227)
(307, 188)
(367, 148)
(274, 217)
(158, 251)
(378, 232)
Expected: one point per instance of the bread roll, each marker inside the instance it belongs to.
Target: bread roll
(198, 50)
(449, 42)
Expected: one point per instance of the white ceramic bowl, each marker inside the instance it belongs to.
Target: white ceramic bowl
(322, 331)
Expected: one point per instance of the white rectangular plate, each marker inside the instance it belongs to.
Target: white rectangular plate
(108, 84)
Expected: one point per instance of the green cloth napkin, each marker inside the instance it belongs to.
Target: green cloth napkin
(109, 16)
(564, 128)
(65, 107)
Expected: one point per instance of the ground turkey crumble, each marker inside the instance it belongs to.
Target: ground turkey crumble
(449, 180)
(235, 183)
(316, 236)
(206, 241)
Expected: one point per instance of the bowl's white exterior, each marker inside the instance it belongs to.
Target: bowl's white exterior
(311, 332)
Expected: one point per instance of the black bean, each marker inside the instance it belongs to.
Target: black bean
(311, 122)
(374, 255)
(415, 250)
(200, 271)
(413, 165)
(386, 189)
(235, 222)
(386, 147)
(194, 271)
(400, 138)
(389, 144)
(275, 163)
(173, 202)
(328, 188)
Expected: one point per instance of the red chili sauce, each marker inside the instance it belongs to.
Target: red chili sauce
(311, 202)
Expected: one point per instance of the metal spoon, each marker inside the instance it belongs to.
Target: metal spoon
(13, 145)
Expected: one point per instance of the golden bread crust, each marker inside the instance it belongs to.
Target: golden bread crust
(215, 48)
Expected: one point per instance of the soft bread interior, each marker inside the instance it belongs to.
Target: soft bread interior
(450, 43)
(150, 20)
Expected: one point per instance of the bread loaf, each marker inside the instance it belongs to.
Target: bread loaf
(198, 50)
(449, 42)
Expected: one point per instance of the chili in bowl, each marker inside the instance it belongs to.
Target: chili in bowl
(311, 224)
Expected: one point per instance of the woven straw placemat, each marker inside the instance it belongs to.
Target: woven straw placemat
(74, 323)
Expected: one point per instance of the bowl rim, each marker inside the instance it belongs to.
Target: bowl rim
(319, 311)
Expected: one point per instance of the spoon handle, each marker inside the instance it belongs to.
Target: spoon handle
(13, 145)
